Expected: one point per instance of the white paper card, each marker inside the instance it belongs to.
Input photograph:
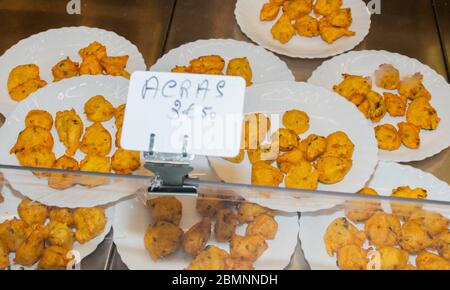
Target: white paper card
(191, 113)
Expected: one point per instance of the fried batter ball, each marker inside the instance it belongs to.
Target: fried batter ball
(269, 12)
(238, 158)
(307, 26)
(377, 106)
(208, 205)
(162, 239)
(267, 153)
(70, 128)
(90, 66)
(297, 8)
(166, 208)
(14, 232)
(360, 211)
(65, 69)
(30, 251)
(95, 48)
(195, 239)
(393, 258)
(387, 77)
(432, 222)
(313, 146)
(61, 215)
(21, 74)
(283, 30)
(209, 64)
(89, 223)
(333, 169)
(422, 114)
(409, 134)
(430, 261)
(342, 233)
(248, 248)
(285, 138)
(302, 176)
(37, 156)
(211, 258)
(60, 235)
(330, 33)
(98, 109)
(442, 244)
(326, 7)
(22, 91)
(353, 84)
(111, 63)
(94, 163)
(255, 130)
(263, 225)
(249, 211)
(240, 67)
(340, 18)
(414, 238)
(4, 255)
(266, 175)
(39, 118)
(413, 88)
(404, 210)
(383, 230)
(96, 140)
(32, 212)
(63, 180)
(297, 121)
(125, 162)
(395, 105)
(33, 137)
(54, 258)
(119, 115)
(352, 257)
(339, 145)
(238, 264)
(388, 137)
(289, 159)
(226, 224)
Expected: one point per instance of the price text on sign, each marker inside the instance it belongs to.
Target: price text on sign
(192, 113)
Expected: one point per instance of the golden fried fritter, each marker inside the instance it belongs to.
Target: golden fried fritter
(302, 176)
(255, 130)
(313, 146)
(54, 258)
(388, 137)
(297, 8)
(94, 163)
(352, 257)
(21, 74)
(248, 248)
(387, 77)
(330, 33)
(263, 225)
(181, 69)
(116, 72)
(353, 84)
(95, 48)
(326, 7)
(22, 91)
(14, 232)
(333, 169)
(162, 239)
(377, 106)
(98, 109)
(442, 244)
(90, 66)
(4, 255)
(60, 235)
(267, 153)
(395, 105)
(249, 211)
(289, 159)
(432, 222)
(61, 215)
(65, 69)
(266, 175)
(409, 134)
(393, 258)
(360, 211)
(39, 118)
(33, 137)
(166, 208)
(226, 224)
(238, 264)
(413, 88)
(414, 238)
(285, 138)
(32, 212)
(119, 115)
(364, 108)
(112, 63)
(208, 205)
(422, 114)
(195, 239)
(408, 192)
(296, 121)
(31, 249)
(429, 261)
(125, 162)
(70, 128)
(269, 12)
(283, 30)
(96, 140)
(63, 180)
(37, 156)
(211, 258)
(339, 145)
(240, 67)
(89, 223)
(383, 230)
(340, 18)
(238, 158)
(342, 233)
(207, 64)
(307, 26)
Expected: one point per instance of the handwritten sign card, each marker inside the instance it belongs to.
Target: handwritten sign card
(184, 113)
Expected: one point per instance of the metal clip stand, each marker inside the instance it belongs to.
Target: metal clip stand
(170, 170)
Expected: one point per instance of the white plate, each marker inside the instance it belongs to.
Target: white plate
(247, 16)
(8, 210)
(387, 177)
(65, 95)
(132, 218)
(49, 47)
(328, 113)
(265, 65)
(365, 63)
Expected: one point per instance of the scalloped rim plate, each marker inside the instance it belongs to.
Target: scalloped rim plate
(265, 65)
(387, 177)
(247, 16)
(365, 63)
(49, 47)
(328, 113)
